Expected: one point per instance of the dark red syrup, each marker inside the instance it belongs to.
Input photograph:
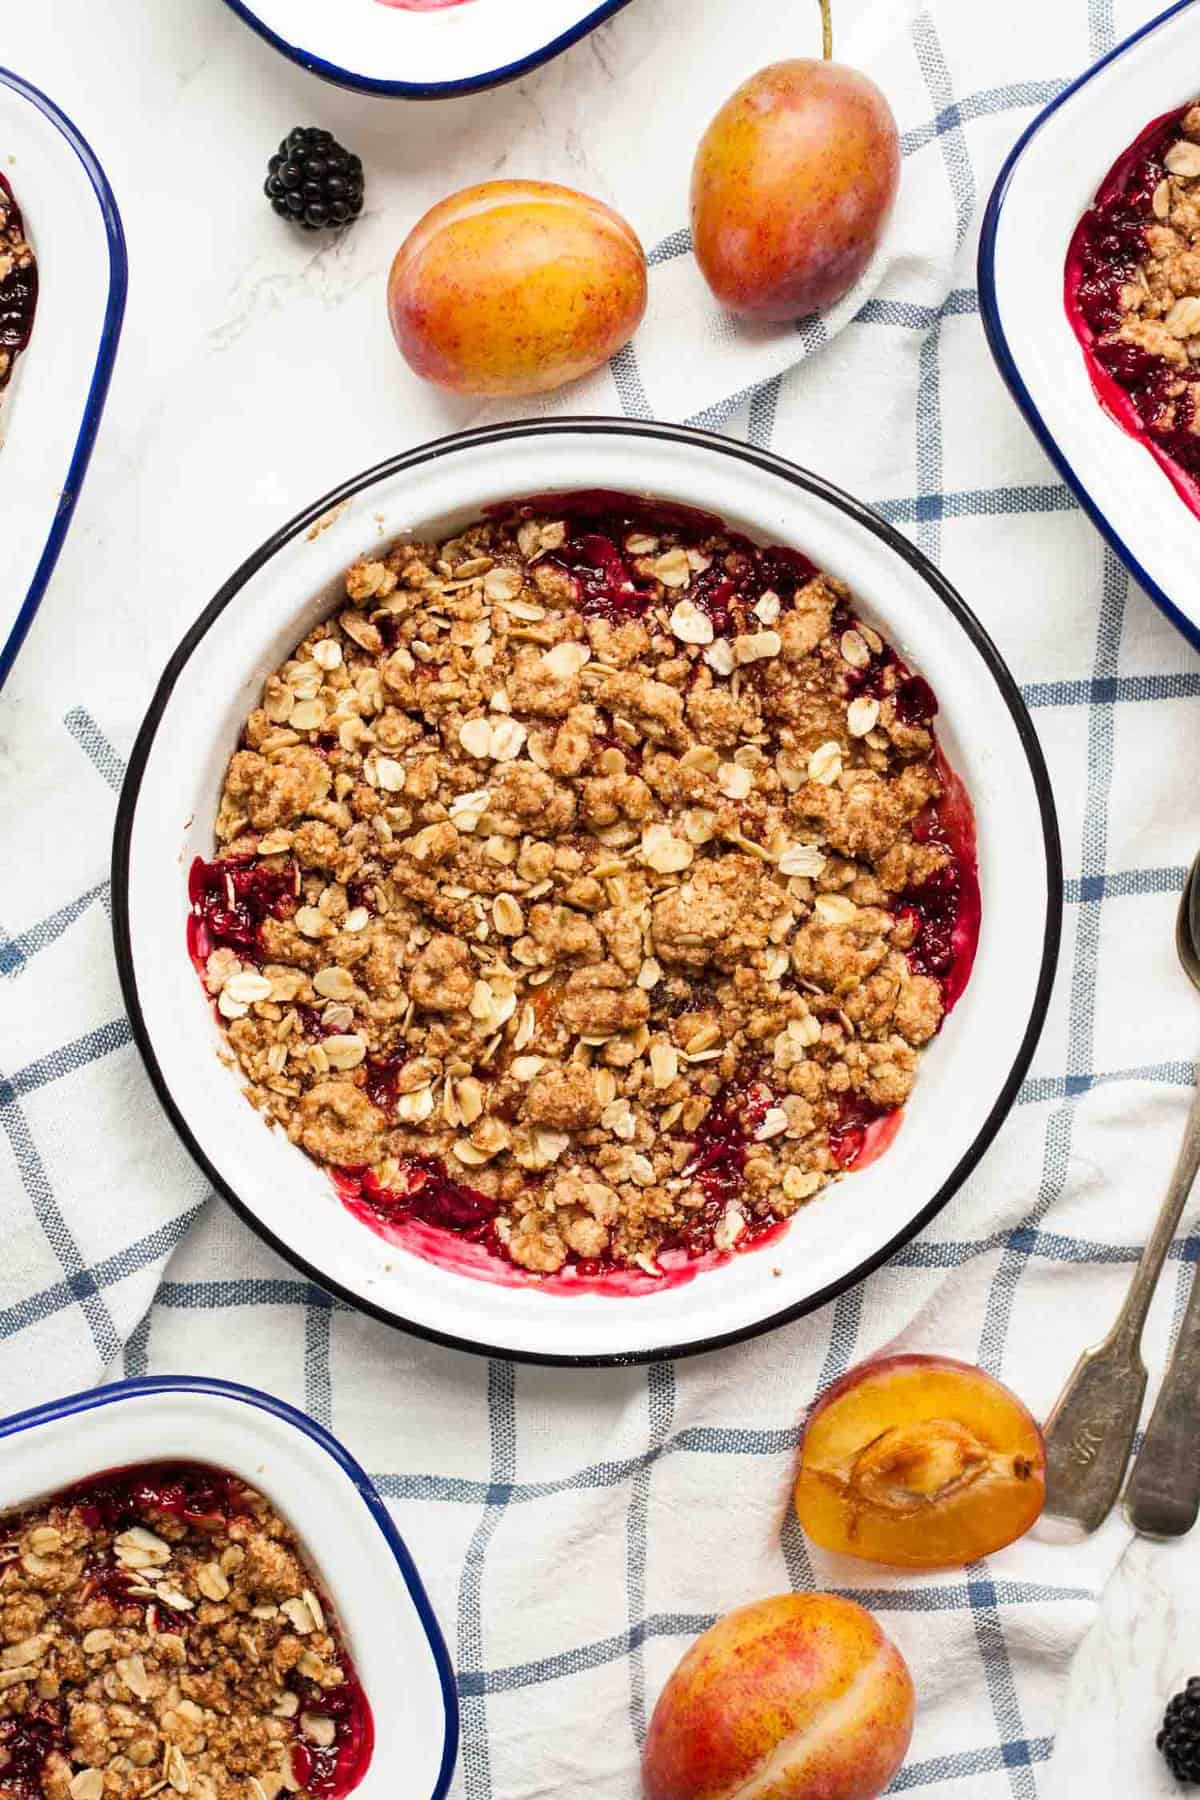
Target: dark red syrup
(333, 1771)
(230, 898)
(593, 555)
(476, 1251)
(424, 1191)
(949, 908)
(18, 296)
(25, 1744)
(863, 1132)
(193, 1492)
(1106, 248)
(602, 577)
(198, 1495)
(383, 1083)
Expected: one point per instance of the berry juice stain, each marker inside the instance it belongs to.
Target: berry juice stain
(1150, 399)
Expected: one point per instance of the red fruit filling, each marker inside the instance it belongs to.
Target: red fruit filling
(25, 1744)
(230, 899)
(434, 1197)
(331, 1771)
(1150, 398)
(608, 586)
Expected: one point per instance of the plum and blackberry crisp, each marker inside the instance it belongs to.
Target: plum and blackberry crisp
(160, 1632)
(1133, 293)
(18, 284)
(587, 886)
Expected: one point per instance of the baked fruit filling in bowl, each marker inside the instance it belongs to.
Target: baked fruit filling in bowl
(162, 1631)
(585, 844)
(1133, 293)
(587, 887)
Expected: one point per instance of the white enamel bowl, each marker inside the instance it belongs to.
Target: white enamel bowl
(50, 412)
(382, 47)
(1046, 185)
(326, 1498)
(970, 1073)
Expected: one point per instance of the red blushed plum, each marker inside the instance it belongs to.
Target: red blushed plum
(515, 287)
(793, 184)
(796, 1698)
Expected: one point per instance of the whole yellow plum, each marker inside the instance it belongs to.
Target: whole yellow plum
(515, 287)
(792, 186)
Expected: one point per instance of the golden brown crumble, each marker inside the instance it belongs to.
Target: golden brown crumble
(146, 1647)
(580, 841)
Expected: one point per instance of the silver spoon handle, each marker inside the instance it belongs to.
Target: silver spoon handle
(1090, 1432)
(1132, 1316)
(1163, 1496)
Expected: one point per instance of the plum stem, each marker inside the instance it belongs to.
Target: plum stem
(827, 30)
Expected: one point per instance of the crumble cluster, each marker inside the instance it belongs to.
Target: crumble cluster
(1160, 303)
(591, 844)
(164, 1656)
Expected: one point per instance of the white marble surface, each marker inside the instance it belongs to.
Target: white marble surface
(257, 371)
(1143, 1648)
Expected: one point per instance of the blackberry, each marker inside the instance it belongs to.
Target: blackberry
(313, 181)
(1179, 1739)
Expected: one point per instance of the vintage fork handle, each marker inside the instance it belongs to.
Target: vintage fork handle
(1141, 1289)
(1090, 1432)
(1163, 1496)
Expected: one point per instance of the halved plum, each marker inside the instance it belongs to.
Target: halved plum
(920, 1462)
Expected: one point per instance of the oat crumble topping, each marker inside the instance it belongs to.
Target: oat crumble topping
(1134, 283)
(583, 885)
(161, 1633)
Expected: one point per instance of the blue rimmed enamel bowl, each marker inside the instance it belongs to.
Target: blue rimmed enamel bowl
(328, 1500)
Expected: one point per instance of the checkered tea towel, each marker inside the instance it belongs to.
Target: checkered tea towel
(577, 1529)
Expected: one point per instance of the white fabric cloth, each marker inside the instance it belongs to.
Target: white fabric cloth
(576, 1529)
